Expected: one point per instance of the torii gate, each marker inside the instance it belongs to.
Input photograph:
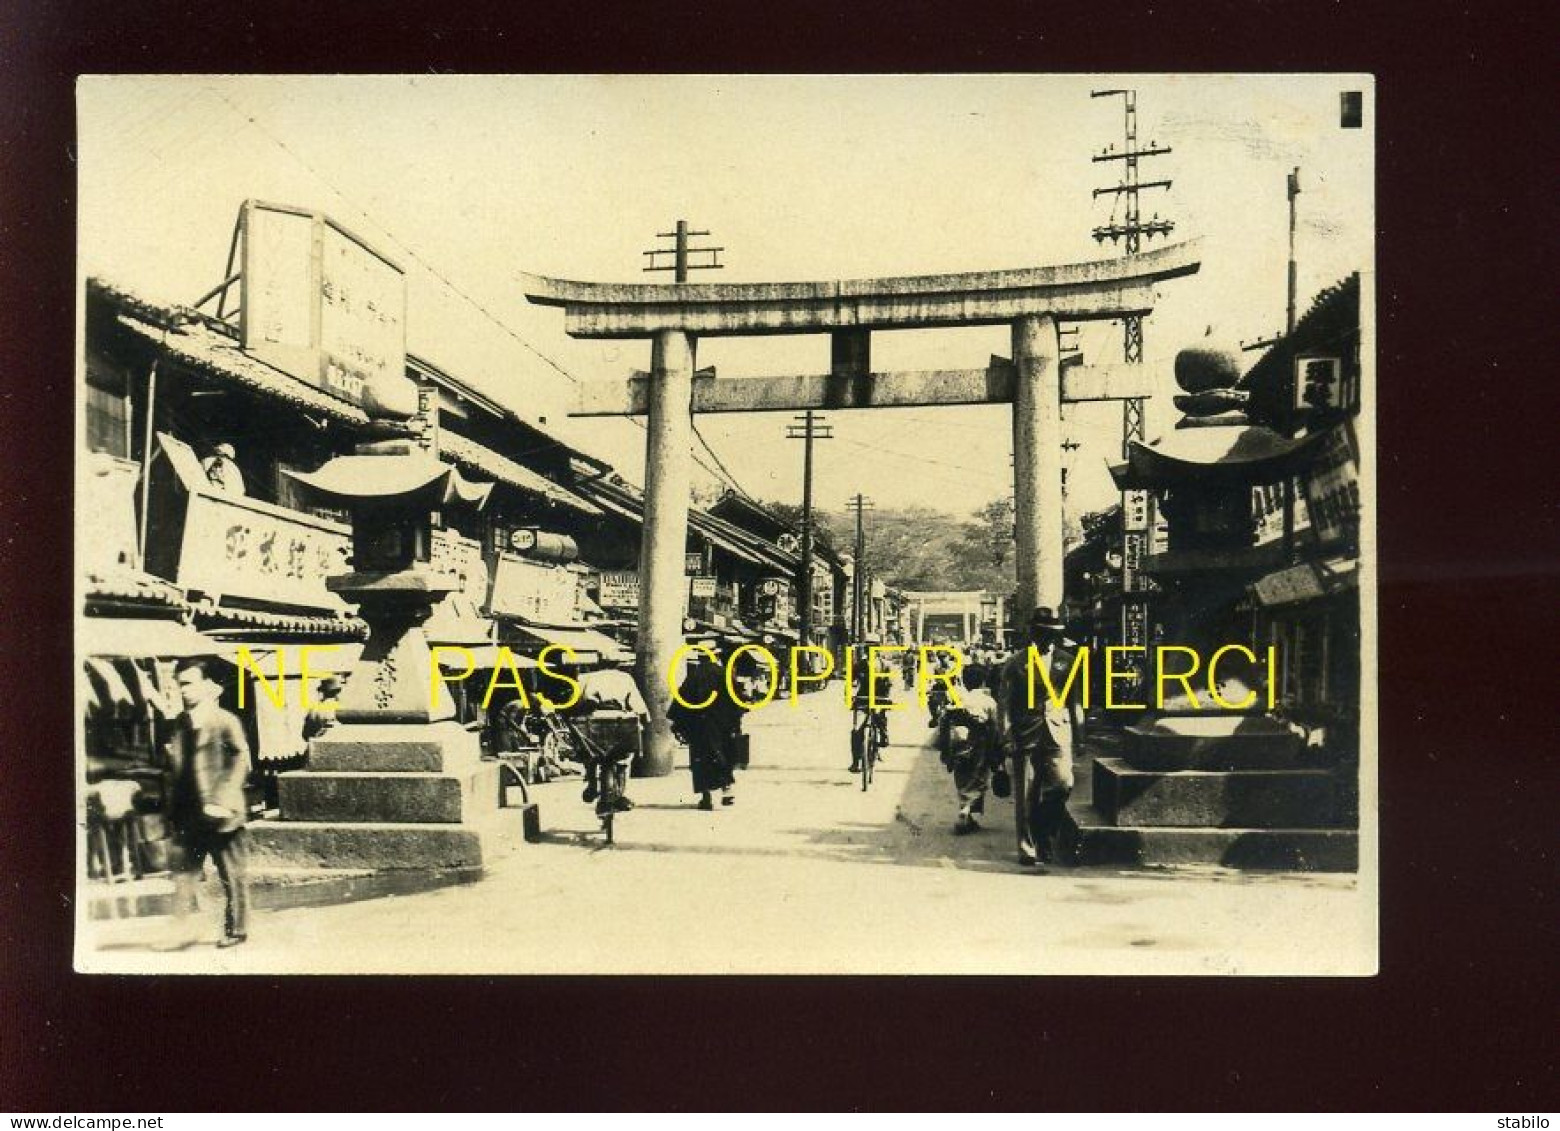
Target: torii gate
(1033, 300)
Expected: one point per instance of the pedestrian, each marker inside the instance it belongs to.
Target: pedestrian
(972, 749)
(322, 715)
(1038, 735)
(869, 694)
(705, 716)
(941, 669)
(222, 470)
(208, 760)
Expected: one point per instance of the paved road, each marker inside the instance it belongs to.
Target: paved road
(805, 874)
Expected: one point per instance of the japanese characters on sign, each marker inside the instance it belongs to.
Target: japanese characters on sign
(461, 558)
(318, 303)
(1134, 510)
(243, 547)
(545, 594)
(1134, 625)
(1134, 547)
(1332, 490)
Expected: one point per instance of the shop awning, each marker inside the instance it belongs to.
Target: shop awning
(481, 657)
(589, 646)
(133, 637)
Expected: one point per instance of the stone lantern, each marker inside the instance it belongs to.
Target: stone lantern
(396, 785)
(392, 498)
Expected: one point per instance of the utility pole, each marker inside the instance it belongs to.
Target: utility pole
(1289, 310)
(812, 427)
(1289, 329)
(680, 251)
(858, 581)
(1261, 343)
(1136, 520)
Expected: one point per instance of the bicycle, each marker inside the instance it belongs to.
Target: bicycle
(866, 738)
(608, 740)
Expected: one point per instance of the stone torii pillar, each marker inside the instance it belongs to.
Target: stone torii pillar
(1037, 487)
(663, 541)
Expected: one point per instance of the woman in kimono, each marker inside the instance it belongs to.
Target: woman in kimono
(705, 716)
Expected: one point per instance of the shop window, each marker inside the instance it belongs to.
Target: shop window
(108, 422)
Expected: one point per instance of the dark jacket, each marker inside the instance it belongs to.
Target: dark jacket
(208, 764)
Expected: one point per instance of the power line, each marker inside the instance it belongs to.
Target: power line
(410, 252)
(917, 457)
(730, 478)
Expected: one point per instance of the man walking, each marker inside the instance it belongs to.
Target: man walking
(208, 760)
(1038, 734)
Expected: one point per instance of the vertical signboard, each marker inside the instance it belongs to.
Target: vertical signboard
(1332, 490)
(1137, 531)
(320, 303)
(425, 425)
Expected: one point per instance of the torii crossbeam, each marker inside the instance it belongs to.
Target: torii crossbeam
(1031, 300)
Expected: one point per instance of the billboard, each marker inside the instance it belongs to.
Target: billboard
(320, 304)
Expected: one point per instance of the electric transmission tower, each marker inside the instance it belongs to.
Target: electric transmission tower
(1130, 232)
(1136, 510)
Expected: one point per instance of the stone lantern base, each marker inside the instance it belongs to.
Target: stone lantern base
(397, 784)
(383, 796)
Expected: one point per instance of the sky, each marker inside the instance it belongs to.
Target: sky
(469, 181)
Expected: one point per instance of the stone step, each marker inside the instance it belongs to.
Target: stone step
(380, 846)
(1210, 742)
(393, 748)
(1091, 839)
(1261, 799)
(311, 795)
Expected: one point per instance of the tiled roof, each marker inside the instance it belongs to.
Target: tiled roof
(213, 354)
(485, 461)
(209, 351)
(214, 617)
(140, 588)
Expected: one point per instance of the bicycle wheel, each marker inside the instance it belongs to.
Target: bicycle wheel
(868, 754)
(606, 776)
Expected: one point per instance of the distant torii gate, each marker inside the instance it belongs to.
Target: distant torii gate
(1033, 300)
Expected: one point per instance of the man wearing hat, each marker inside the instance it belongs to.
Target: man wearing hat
(1038, 736)
(222, 471)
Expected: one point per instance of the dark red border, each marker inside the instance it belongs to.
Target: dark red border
(1468, 553)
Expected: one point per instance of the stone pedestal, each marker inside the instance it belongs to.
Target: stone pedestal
(395, 786)
(383, 797)
(1213, 788)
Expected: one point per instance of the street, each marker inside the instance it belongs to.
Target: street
(804, 874)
